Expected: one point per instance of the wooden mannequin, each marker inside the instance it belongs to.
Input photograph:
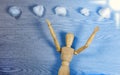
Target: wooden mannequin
(67, 52)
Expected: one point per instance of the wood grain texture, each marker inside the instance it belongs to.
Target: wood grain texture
(26, 46)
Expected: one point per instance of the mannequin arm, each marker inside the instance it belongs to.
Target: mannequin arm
(88, 41)
(53, 35)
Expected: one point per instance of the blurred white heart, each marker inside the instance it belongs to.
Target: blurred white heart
(39, 10)
(61, 11)
(14, 11)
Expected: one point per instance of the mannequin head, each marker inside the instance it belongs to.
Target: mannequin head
(69, 39)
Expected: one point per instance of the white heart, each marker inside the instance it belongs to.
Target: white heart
(39, 10)
(85, 11)
(61, 11)
(105, 13)
(14, 11)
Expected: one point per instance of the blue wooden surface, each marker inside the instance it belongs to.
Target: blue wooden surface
(26, 46)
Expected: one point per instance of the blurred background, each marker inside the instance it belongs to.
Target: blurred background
(27, 48)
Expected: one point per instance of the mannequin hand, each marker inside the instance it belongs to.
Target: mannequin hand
(96, 29)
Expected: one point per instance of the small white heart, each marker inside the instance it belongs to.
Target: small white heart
(61, 11)
(105, 13)
(15, 11)
(38, 10)
(85, 11)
